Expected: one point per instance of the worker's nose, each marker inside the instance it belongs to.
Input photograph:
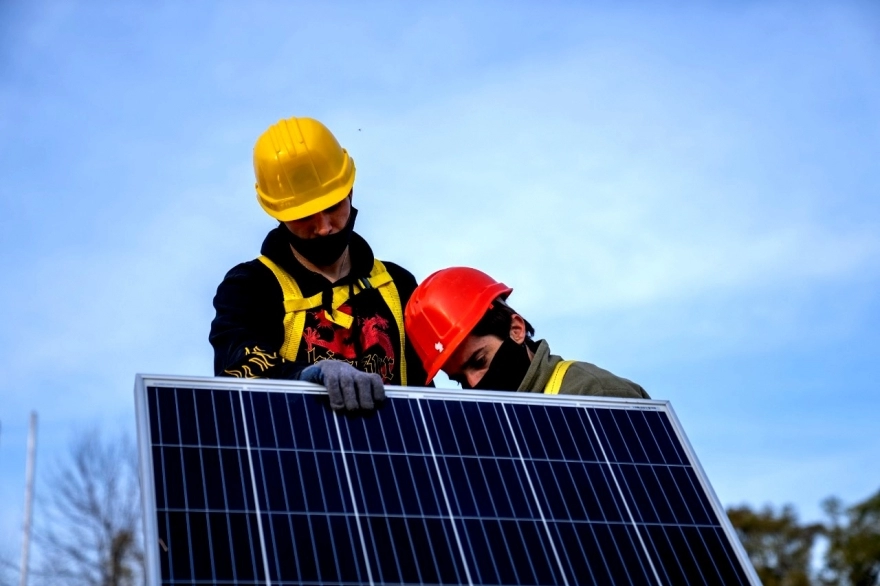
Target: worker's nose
(322, 226)
(473, 378)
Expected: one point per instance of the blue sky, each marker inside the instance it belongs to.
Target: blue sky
(687, 195)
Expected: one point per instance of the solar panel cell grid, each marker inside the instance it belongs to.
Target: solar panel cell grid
(269, 487)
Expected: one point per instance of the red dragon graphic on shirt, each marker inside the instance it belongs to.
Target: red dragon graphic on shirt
(338, 343)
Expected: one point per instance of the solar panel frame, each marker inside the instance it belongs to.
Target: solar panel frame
(146, 464)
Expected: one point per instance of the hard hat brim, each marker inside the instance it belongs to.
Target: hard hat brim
(308, 208)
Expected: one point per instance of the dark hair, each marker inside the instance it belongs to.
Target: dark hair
(496, 321)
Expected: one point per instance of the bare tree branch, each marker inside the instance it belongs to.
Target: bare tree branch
(91, 518)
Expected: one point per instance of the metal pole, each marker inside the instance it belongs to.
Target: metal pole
(28, 497)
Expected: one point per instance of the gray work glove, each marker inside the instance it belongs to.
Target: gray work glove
(347, 386)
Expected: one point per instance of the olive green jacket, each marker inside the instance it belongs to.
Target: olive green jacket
(581, 378)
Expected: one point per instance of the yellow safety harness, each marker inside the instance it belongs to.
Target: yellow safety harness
(295, 307)
(555, 382)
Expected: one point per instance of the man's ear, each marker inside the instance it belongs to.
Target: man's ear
(517, 328)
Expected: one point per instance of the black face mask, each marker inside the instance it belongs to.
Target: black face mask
(324, 250)
(508, 368)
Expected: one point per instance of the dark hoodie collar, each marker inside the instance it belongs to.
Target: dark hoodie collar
(277, 248)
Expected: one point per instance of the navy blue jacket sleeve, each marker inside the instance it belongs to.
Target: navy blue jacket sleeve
(248, 328)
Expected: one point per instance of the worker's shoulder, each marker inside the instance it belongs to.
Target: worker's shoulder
(398, 273)
(590, 370)
(252, 269)
(247, 281)
(595, 380)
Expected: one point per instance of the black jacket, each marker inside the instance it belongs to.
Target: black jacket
(248, 329)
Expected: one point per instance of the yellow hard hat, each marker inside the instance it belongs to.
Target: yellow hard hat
(300, 169)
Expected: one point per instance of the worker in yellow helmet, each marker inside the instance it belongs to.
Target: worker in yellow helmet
(459, 321)
(316, 305)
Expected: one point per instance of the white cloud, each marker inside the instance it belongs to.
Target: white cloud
(580, 198)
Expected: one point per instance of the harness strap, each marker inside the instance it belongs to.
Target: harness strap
(555, 382)
(295, 306)
(392, 300)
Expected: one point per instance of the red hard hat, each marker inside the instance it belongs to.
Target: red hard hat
(444, 309)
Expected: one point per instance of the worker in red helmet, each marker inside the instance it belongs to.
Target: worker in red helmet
(458, 321)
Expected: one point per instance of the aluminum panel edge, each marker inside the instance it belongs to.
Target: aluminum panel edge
(152, 568)
(510, 397)
(726, 525)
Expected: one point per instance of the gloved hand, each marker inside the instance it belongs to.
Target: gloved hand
(347, 386)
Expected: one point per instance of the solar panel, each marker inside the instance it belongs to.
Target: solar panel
(259, 482)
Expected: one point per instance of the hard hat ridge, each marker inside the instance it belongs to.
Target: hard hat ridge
(300, 169)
